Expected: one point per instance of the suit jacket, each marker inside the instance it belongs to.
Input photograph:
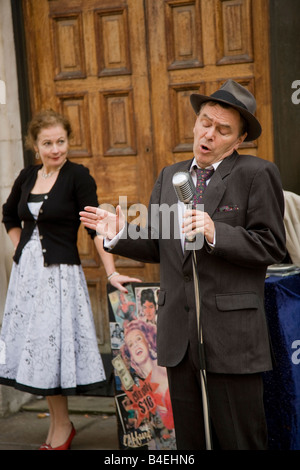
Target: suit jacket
(245, 200)
(58, 220)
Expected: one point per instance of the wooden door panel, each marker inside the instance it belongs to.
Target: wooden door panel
(68, 46)
(76, 107)
(184, 33)
(123, 71)
(118, 129)
(234, 41)
(112, 42)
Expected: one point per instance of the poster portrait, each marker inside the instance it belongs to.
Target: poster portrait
(144, 412)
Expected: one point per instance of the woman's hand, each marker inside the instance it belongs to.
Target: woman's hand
(118, 281)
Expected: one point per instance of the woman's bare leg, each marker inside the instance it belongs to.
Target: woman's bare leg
(60, 424)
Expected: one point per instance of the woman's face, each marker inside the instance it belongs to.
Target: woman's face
(53, 145)
(137, 345)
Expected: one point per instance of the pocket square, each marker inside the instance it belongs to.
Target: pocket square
(228, 209)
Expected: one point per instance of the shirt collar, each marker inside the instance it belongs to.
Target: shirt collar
(213, 165)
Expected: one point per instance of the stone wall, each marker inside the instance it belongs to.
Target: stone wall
(11, 162)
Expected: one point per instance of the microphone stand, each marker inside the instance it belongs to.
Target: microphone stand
(185, 191)
(203, 380)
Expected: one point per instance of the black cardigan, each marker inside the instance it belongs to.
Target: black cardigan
(58, 219)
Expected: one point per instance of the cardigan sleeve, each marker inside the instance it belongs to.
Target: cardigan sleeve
(10, 208)
(86, 191)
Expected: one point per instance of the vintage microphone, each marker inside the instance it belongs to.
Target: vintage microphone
(185, 190)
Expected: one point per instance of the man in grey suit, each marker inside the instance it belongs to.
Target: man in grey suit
(242, 226)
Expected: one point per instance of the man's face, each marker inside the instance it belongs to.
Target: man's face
(216, 134)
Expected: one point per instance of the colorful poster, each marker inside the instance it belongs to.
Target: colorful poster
(144, 412)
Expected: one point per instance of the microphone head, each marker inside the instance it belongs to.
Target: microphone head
(184, 186)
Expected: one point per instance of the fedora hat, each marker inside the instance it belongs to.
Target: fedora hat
(239, 98)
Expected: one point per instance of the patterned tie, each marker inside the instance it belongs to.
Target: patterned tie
(202, 176)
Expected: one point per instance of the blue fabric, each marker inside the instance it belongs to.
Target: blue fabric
(282, 385)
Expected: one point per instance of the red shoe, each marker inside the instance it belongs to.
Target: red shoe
(65, 446)
(44, 446)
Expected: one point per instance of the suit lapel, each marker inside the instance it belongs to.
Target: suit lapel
(217, 185)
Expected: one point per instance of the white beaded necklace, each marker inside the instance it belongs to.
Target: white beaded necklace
(47, 175)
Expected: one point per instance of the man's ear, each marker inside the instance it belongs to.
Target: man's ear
(240, 140)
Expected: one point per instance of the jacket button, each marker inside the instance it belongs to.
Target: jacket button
(41, 237)
(44, 250)
(187, 278)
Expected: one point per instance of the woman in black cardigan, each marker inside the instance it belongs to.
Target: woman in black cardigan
(48, 336)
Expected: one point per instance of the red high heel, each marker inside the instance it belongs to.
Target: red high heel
(65, 446)
(44, 446)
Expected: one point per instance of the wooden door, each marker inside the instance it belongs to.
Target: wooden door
(123, 71)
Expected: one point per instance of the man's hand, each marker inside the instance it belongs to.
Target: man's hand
(106, 224)
(198, 222)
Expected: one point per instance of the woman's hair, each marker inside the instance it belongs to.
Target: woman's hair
(42, 120)
(148, 330)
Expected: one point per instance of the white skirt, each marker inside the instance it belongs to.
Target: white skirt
(48, 339)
